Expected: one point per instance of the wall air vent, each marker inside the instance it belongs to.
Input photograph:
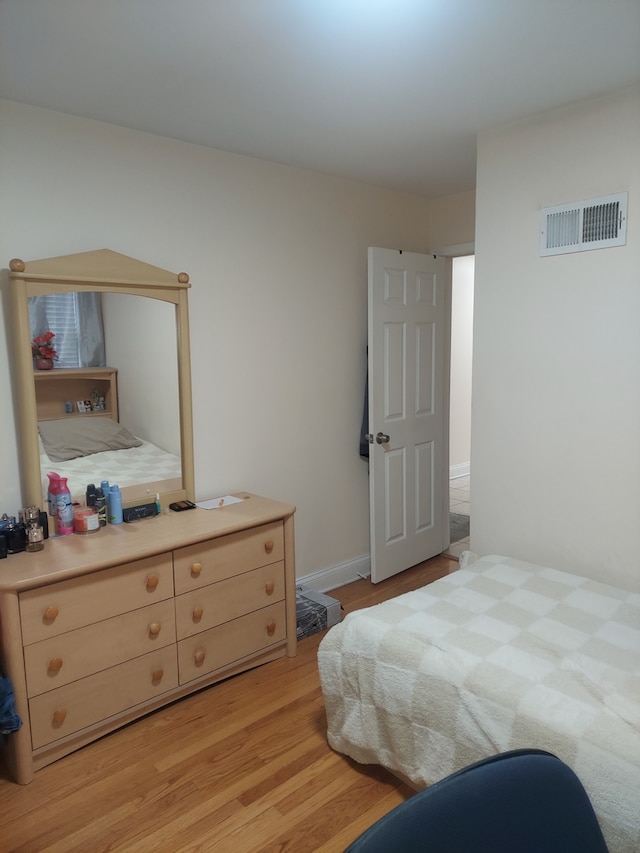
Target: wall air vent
(584, 225)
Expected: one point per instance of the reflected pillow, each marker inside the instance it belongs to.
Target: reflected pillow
(69, 439)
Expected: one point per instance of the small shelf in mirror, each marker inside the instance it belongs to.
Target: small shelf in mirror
(78, 387)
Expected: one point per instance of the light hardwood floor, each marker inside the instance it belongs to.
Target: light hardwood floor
(242, 766)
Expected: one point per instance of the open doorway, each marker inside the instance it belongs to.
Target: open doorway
(462, 284)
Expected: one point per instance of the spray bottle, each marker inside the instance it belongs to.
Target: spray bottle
(101, 506)
(52, 492)
(106, 491)
(91, 494)
(64, 509)
(115, 505)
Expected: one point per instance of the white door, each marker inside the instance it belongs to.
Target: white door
(408, 420)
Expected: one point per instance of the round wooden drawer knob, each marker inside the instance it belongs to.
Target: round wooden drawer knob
(156, 676)
(152, 583)
(271, 628)
(199, 657)
(154, 629)
(59, 717)
(55, 665)
(196, 568)
(197, 614)
(268, 546)
(269, 587)
(50, 613)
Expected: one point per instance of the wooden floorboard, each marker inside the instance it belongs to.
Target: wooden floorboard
(241, 766)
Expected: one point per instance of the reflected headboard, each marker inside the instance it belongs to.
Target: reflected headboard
(76, 392)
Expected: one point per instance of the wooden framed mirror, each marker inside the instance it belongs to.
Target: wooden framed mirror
(144, 390)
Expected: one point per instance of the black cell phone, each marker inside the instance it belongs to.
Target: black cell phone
(179, 506)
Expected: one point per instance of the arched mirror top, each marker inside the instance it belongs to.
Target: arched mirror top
(124, 283)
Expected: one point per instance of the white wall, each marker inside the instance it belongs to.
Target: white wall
(461, 364)
(140, 342)
(277, 262)
(556, 378)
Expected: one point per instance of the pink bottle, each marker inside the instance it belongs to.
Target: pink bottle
(54, 487)
(59, 500)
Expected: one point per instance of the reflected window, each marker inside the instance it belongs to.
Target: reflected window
(76, 321)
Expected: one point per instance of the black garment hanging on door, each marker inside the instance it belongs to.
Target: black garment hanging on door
(364, 429)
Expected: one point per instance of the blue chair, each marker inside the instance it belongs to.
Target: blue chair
(524, 801)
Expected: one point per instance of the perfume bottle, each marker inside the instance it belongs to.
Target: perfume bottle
(34, 534)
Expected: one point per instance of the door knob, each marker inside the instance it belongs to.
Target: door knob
(381, 438)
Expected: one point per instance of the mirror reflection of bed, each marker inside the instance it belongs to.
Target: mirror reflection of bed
(91, 443)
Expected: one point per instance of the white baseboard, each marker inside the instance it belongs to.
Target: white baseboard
(460, 470)
(353, 570)
(344, 573)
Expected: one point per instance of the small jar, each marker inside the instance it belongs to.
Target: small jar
(86, 520)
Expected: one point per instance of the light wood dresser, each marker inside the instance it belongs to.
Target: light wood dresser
(100, 629)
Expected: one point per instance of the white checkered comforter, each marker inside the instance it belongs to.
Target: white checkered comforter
(499, 655)
(129, 467)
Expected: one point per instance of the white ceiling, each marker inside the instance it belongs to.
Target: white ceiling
(392, 92)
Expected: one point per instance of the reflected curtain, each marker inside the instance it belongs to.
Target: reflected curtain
(76, 321)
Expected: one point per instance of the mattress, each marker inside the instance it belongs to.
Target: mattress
(129, 467)
(498, 655)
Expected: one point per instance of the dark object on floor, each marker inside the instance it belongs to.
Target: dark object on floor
(458, 527)
(526, 800)
(315, 611)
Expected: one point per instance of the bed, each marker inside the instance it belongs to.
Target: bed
(87, 443)
(498, 655)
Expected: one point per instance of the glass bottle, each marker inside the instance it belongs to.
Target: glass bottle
(34, 534)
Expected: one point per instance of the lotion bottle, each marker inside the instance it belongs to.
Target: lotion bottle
(115, 505)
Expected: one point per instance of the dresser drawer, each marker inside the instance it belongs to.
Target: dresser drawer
(59, 607)
(220, 602)
(69, 709)
(208, 562)
(67, 657)
(221, 646)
